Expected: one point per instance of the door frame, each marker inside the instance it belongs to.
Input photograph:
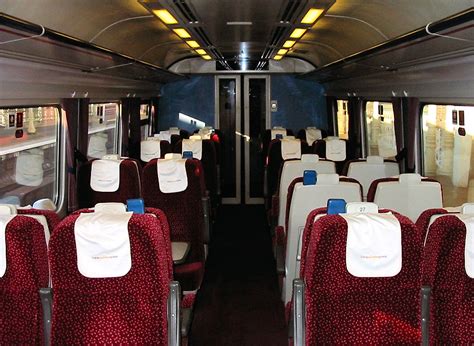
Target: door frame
(248, 199)
(238, 138)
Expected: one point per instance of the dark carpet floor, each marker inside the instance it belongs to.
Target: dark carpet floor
(239, 301)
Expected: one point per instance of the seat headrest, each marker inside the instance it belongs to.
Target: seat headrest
(44, 204)
(172, 175)
(374, 245)
(113, 157)
(8, 209)
(196, 137)
(172, 156)
(103, 244)
(165, 136)
(150, 149)
(331, 138)
(361, 207)
(110, 208)
(105, 175)
(328, 179)
(310, 158)
(289, 137)
(375, 160)
(409, 179)
(174, 131)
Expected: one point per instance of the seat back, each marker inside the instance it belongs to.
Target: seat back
(183, 209)
(153, 148)
(132, 306)
(373, 168)
(311, 134)
(295, 168)
(269, 135)
(129, 186)
(342, 308)
(305, 198)
(444, 270)
(409, 194)
(21, 317)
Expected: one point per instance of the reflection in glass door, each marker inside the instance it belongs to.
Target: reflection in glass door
(256, 120)
(228, 120)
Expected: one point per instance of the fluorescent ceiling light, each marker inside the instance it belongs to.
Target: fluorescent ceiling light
(201, 51)
(297, 33)
(282, 51)
(192, 44)
(289, 44)
(311, 16)
(277, 57)
(182, 33)
(165, 16)
(239, 23)
(206, 57)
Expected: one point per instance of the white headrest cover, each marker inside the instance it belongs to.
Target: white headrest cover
(44, 204)
(409, 179)
(374, 245)
(375, 160)
(467, 208)
(172, 175)
(8, 209)
(335, 149)
(194, 145)
(468, 220)
(150, 149)
(290, 149)
(310, 158)
(103, 244)
(312, 134)
(278, 131)
(4, 220)
(196, 137)
(29, 167)
(165, 136)
(113, 157)
(327, 179)
(289, 137)
(105, 175)
(110, 208)
(173, 156)
(174, 131)
(361, 207)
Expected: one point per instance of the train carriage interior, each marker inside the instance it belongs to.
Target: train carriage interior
(217, 172)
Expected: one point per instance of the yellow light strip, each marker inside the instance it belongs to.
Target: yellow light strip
(201, 51)
(282, 51)
(193, 44)
(289, 44)
(165, 16)
(311, 16)
(297, 33)
(182, 33)
(206, 57)
(277, 57)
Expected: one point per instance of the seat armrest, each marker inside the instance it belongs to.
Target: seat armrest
(280, 259)
(46, 295)
(299, 313)
(206, 208)
(425, 315)
(174, 310)
(179, 251)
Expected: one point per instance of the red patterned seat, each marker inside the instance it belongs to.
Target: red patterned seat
(452, 290)
(184, 212)
(344, 309)
(129, 309)
(52, 218)
(21, 317)
(129, 185)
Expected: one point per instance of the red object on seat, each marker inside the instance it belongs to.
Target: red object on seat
(129, 185)
(185, 216)
(131, 309)
(452, 290)
(21, 314)
(344, 309)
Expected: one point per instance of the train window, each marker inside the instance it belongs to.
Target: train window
(103, 129)
(28, 154)
(342, 119)
(447, 150)
(380, 129)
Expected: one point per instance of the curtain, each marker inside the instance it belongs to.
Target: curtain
(413, 128)
(331, 106)
(356, 114)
